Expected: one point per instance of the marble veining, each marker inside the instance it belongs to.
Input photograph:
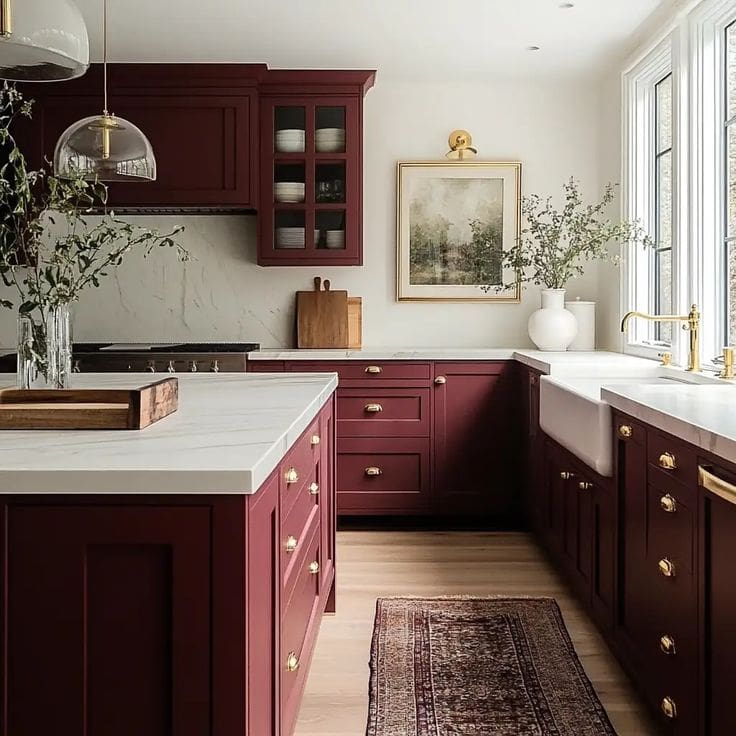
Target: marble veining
(229, 433)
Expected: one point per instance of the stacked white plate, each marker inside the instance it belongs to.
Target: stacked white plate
(329, 140)
(292, 237)
(335, 239)
(290, 140)
(288, 191)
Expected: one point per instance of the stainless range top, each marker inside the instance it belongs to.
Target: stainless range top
(162, 357)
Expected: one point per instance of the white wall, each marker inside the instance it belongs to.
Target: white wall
(554, 129)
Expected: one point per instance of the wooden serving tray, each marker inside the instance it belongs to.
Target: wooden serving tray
(85, 408)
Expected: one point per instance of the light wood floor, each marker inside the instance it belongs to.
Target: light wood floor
(374, 564)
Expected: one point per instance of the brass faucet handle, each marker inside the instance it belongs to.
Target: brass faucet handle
(727, 372)
(666, 358)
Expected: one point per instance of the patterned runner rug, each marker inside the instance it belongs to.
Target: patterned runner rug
(478, 667)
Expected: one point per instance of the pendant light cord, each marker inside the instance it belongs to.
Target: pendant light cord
(104, 52)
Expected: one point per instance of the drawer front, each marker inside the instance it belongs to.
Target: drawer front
(296, 531)
(627, 430)
(265, 366)
(388, 412)
(297, 469)
(365, 373)
(382, 475)
(671, 529)
(296, 623)
(672, 458)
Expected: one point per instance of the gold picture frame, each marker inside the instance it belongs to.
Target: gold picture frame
(448, 215)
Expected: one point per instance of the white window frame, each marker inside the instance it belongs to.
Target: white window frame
(639, 192)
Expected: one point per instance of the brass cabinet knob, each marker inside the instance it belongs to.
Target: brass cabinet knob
(666, 567)
(314, 489)
(291, 476)
(374, 369)
(373, 471)
(668, 503)
(669, 707)
(667, 644)
(566, 476)
(292, 662)
(584, 485)
(291, 543)
(373, 408)
(315, 440)
(667, 461)
(313, 567)
(625, 431)
(441, 380)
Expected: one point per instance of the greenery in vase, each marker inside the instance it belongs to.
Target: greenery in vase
(50, 248)
(555, 244)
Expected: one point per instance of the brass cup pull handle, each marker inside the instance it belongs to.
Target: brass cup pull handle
(315, 440)
(667, 644)
(625, 431)
(373, 471)
(668, 503)
(667, 461)
(669, 707)
(373, 408)
(666, 567)
(314, 489)
(291, 544)
(313, 567)
(374, 369)
(566, 476)
(584, 485)
(292, 662)
(441, 380)
(291, 476)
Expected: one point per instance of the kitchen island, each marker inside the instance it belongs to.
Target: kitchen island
(170, 580)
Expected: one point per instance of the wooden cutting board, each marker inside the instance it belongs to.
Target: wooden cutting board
(322, 317)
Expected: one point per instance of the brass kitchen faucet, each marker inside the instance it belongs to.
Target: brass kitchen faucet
(692, 325)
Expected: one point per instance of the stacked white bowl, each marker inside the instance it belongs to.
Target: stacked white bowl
(290, 140)
(289, 191)
(335, 239)
(289, 237)
(329, 140)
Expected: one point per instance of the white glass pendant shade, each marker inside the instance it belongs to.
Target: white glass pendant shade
(104, 148)
(42, 41)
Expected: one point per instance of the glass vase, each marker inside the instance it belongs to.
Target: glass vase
(45, 349)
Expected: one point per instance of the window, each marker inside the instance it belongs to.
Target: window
(728, 258)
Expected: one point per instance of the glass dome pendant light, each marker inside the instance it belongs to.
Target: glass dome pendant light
(104, 147)
(42, 41)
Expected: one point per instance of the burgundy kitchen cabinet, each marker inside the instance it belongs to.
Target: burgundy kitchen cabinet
(323, 226)
(535, 500)
(201, 119)
(476, 439)
(157, 615)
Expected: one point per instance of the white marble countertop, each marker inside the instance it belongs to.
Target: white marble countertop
(703, 415)
(564, 363)
(230, 431)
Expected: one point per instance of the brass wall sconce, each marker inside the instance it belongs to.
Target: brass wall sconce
(461, 146)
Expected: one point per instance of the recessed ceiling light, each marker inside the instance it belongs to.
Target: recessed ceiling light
(567, 6)
(532, 48)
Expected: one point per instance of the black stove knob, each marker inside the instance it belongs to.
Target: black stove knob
(172, 367)
(193, 367)
(215, 366)
(151, 367)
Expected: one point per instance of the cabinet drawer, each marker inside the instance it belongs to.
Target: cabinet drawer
(672, 458)
(388, 412)
(382, 475)
(265, 366)
(671, 529)
(297, 469)
(364, 373)
(296, 531)
(629, 431)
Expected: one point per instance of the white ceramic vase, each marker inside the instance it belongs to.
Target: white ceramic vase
(553, 328)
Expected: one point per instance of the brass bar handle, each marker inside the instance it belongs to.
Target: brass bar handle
(313, 567)
(667, 461)
(292, 662)
(716, 485)
(566, 476)
(314, 489)
(291, 544)
(669, 707)
(625, 431)
(668, 503)
(6, 18)
(727, 372)
(373, 408)
(291, 476)
(374, 369)
(440, 380)
(667, 644)
(315, 440)
(373, 471)
(666, 567)
(584, 485)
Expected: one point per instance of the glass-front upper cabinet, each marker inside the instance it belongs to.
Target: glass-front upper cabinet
(311, 170)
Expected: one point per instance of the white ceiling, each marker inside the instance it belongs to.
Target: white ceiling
(417, 39)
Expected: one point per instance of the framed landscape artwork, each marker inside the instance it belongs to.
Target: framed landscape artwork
(455, 219)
